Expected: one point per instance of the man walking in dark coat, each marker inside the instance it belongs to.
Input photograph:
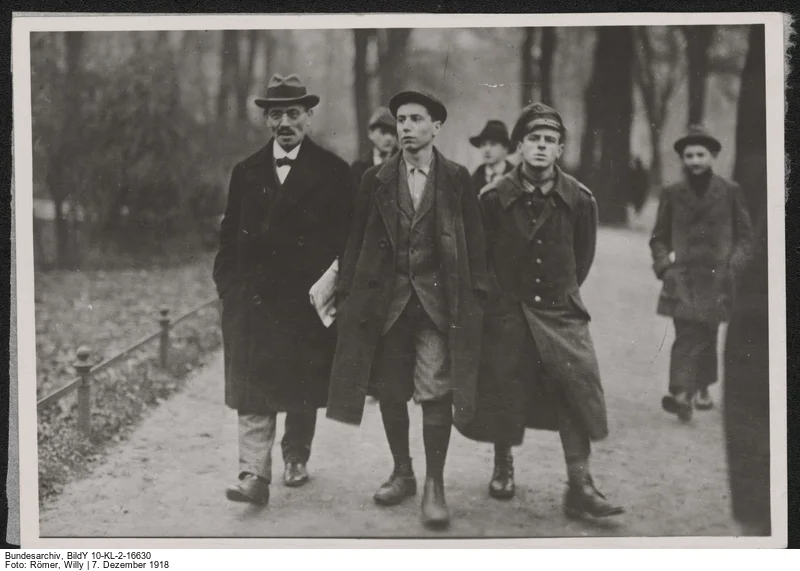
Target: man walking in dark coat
(539, 365)
(701, 237)
(494, 145)
(285, 223)
(383, 135)
(410, 289)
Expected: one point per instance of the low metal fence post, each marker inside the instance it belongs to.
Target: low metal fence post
(164, 322)
(84, 370)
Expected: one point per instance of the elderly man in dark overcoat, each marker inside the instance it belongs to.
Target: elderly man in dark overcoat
(539, 367)
(285, 223)
(701, 237)
(410, 290)
(383, 136)
(494, 144)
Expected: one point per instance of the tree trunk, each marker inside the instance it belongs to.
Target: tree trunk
(245, 80)
(549, 44)
(57, 180)
(698, 40)
(751, 126)
(606, 152)
(526, 79)
(228, 71)
(361, 39)
(392, 49)
(656, 166)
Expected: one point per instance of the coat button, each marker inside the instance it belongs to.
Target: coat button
(538, 280)
(539, 242)
(257, 299)
(300, 241)
(537, 299)
(538, 261)
(382, 244)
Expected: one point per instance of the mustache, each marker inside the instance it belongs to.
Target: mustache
(285, 131)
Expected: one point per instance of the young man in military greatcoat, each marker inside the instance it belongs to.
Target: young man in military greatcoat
(701, 238)
(409, 301)
(494, 144)
(285, 223)
(539, 368)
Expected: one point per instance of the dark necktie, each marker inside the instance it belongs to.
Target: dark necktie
(284, 162)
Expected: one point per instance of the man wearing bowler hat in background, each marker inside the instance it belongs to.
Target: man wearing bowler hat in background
(539, 367)
(285, 224)
(410, 295)
(701, 239)
(494, 145)
(383, 135)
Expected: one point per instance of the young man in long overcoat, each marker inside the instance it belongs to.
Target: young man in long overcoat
(701, 236)
(383, 136)
(285, 223)
(539, 367)
(409, 312)
(494, 144)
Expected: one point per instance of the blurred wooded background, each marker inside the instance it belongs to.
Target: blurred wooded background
(135, 133)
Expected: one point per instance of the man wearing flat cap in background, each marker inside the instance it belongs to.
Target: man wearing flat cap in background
(383, 135)
(539, 368)
(409, 301)
(285, 224)
(494, 145)
(702, 238)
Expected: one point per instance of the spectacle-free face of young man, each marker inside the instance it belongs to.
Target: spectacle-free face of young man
(697, 159)
(541, 148)
(384, 139)
(289, 124)
(415, 127)
(492, 152)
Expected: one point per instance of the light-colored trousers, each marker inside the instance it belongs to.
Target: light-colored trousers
(257, 436)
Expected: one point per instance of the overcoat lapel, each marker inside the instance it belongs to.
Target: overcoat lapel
(386, 196)
(448, 206)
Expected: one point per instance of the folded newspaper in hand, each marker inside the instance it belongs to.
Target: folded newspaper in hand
(323, 294)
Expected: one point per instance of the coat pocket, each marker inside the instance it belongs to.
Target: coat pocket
(575, 301)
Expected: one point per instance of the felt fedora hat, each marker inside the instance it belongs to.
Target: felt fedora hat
(494, 130)
(286, 91)
(435, 107)
(697, 135)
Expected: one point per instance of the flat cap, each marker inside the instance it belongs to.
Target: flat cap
(435, 107)
(382, 117)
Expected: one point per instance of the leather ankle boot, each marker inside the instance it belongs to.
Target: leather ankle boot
(434, 507)
(400, 485)
(583, 498)
(502, 486)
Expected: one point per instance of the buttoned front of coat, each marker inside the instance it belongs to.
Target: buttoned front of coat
(538, 264)
(710, 237)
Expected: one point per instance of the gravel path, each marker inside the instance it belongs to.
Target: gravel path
(168, 478)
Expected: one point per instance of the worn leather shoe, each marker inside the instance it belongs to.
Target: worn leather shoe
(400, 485)
(250, 489)
(679, 404)
(502, 486)
(702, 400)
(434, 508)
(295, 474)
(582, 499)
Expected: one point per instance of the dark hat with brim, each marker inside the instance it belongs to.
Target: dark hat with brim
(286, 91)
(493, 131)
(382, 117)
(697, 135)
(435, 107)
(535, 116)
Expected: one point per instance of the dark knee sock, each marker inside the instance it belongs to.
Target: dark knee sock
(395, 423)
(437, 421)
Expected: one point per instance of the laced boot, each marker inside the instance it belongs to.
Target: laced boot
(502, 486)
(400, 485)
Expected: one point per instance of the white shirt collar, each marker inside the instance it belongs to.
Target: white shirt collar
(425, 170)
(499, 168)
(278, 152)
(376, 157)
